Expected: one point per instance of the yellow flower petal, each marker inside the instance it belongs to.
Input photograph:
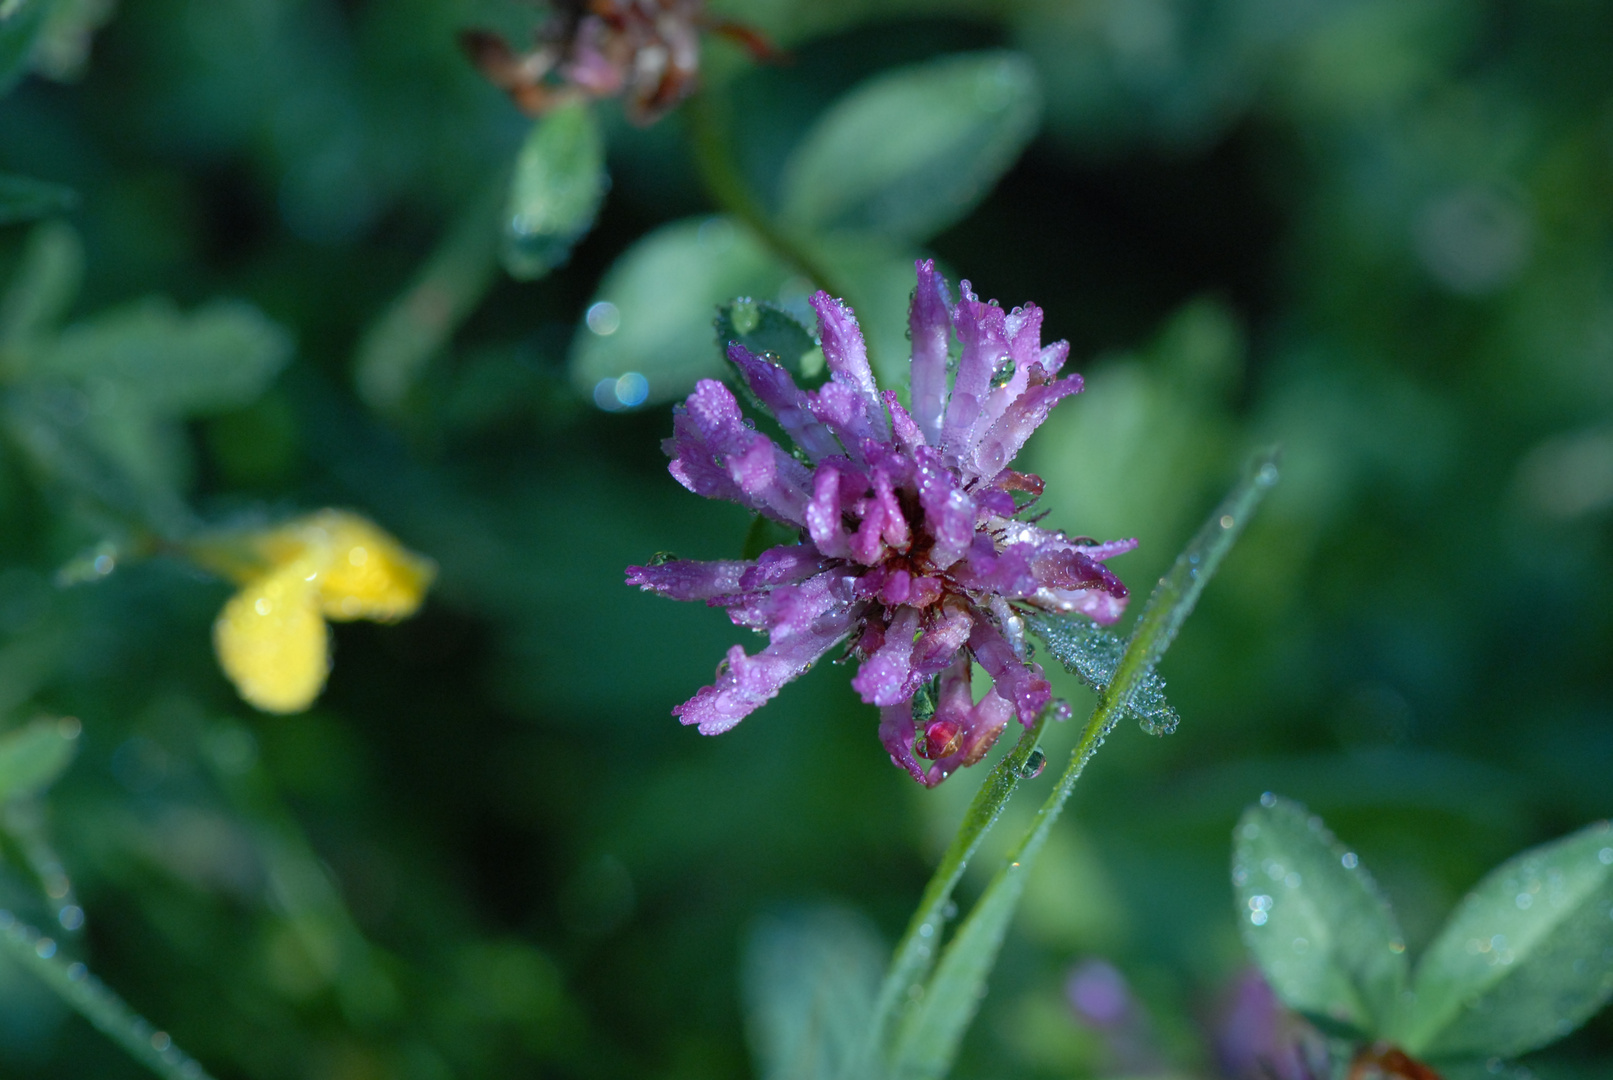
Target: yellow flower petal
(367, 574)
(272, 642)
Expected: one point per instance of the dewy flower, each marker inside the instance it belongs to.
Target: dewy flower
(271, 637)
(913, 547)
(646, 52)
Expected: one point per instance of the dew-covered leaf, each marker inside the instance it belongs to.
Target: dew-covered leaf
(32, 757)
(765, 328)
(911, 151)
(152, 356)
(1526, 958)
(555, 194)
(45, 283)
(648, 333)
(809, 982)
(1321, 931)
(23, 198)
(1092, 654)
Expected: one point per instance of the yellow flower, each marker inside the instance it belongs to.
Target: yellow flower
(271, 637)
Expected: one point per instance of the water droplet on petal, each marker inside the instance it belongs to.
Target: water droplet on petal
(941, 738)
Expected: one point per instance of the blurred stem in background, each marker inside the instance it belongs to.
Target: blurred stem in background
(710, 139)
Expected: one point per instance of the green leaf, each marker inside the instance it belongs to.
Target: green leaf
(1321, 931)
(151, 356)
(652, 316)
(559, 183)
(32, 757)
(1526, 958)
(47, 422)
(44, 286)
(25, 199)
(927, 1040)
(766, 329)
(808, 982)
(20, 24)
(1092, 655)
(64, 44)
(912, 151)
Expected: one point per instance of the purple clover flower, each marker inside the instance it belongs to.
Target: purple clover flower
(913, 547)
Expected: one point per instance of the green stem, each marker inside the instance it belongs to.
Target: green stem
(915, 951)
(93, 1000)
(927, 1043)
(727, 188)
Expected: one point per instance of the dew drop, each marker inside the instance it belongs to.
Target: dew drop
(940, 738)
(1350, 860)
(1267, 475)
(45, 948)
(1062, 712)
(661, 558)
(1033, 766)
(1268, 800)
(1227, 521)
(949, 910)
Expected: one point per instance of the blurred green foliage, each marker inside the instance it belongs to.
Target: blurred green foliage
(1375, 231)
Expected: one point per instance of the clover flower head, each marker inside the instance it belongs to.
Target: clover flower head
(646, 52)
(913, 546)
(271, 638)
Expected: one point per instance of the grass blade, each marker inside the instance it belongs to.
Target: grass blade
(928, 1039)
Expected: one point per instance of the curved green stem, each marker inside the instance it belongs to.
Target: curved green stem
(726, 185)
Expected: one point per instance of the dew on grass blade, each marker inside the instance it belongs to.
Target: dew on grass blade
(1033, 765)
